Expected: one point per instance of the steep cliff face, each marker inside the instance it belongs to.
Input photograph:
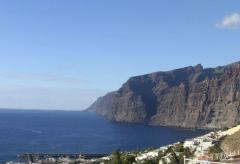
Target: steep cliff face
(186, 97)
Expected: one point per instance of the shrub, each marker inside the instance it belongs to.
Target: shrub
(215, 149)
(225, 128)
(121, 158)
(187, 152)
(179, 147)
(127, 159)
(151, 161)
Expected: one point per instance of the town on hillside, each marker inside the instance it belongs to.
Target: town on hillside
(212, 148)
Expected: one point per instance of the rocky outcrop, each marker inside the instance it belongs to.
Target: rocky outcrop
(187, 97)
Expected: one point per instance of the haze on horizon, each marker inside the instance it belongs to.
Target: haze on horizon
(63, 54)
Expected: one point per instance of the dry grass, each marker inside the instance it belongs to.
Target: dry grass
(231, 143)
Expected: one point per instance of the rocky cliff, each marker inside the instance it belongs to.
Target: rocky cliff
(186, 97)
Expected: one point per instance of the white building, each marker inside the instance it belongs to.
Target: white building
(148, 155)
(205, 145)
(190, 144)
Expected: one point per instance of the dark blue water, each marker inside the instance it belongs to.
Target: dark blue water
(73, 132)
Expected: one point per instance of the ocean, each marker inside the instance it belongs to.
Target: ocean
(39, 131)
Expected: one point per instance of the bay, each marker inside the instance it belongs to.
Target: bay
(39, 131)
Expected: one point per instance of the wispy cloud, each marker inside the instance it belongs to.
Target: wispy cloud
(46, 91)
(37, 97)
(44, 77)
(230, 21)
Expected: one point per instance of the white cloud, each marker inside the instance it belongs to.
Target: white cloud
(230, 21)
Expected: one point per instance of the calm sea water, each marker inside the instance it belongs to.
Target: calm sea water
(74, 132)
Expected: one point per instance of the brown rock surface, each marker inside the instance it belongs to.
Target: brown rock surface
(231, 144)
(187, 97)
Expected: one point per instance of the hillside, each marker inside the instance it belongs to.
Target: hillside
(231, 144)
(186, 97)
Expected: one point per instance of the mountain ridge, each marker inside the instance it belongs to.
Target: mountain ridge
(192, 97)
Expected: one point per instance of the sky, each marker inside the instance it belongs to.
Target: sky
(63, 54)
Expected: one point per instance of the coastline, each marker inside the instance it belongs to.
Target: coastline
(196, 147)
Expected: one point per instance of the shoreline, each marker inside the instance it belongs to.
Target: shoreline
(141, 156)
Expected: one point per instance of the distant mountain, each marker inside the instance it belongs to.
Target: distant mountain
(186, 97)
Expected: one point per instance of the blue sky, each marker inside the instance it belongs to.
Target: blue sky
(63, 54)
